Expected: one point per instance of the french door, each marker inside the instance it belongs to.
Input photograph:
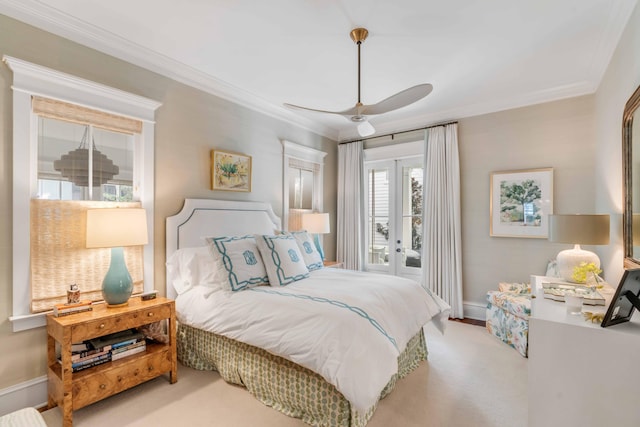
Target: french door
(393, 209)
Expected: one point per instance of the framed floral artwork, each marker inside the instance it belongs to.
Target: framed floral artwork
(230, 171)
(521, 202)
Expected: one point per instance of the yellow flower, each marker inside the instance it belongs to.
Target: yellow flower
(581, 271)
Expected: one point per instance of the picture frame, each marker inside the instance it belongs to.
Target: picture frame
(521, 202)
(625, 300)
(230, 171)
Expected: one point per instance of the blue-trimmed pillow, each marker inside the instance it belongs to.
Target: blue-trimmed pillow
(238, 259)
(307, 247)
(282, 259)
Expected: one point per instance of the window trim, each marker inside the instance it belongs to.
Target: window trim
(34, 80)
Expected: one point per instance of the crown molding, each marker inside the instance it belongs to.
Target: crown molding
(51, 20)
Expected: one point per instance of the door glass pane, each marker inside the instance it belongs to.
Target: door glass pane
(412, 216)
(64, 169)
(378, 221)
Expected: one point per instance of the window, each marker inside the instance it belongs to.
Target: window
(303, 177)
(70, 155)
(32, 178)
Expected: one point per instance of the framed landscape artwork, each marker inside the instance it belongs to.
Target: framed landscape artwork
(230, 171)
(521, 202)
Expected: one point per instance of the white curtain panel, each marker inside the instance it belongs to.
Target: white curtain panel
(350, 210)
(441, 248)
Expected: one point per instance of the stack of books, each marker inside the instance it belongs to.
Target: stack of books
(556, 292)
(73, 308)
(107, 348)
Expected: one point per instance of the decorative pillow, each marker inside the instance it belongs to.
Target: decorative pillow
(282, 259)
(552, 269)
(238, 261)
(189, 267)
(307, 247)
(514, 288)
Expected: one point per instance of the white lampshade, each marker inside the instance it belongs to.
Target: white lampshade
(108, 228)
(116, 228)
(577, 229)
(317, 223)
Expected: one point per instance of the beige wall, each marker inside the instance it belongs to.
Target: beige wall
(620, 80)
(557, 134)
(188, 125)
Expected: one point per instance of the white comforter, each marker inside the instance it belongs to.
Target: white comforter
(347, 326)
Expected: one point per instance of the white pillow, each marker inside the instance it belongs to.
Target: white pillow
(282, 259)
(307, 247)
(189, 267)
(238, 260)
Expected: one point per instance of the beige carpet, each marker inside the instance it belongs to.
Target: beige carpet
(470, 380)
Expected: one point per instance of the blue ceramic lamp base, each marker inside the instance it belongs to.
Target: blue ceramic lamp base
(117, 285)
(316, 240)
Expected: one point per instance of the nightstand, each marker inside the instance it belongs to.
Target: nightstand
(74, 390)
(333, 264)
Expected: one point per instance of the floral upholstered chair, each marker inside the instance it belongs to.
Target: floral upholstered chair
(508, 311)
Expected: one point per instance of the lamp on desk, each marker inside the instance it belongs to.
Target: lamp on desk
(579, 230)
(116, 228)
(316, 224)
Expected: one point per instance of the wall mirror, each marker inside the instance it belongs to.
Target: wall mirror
(631, 181)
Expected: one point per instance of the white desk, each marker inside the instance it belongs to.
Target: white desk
(581, 374)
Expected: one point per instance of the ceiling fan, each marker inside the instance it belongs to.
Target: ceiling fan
(360, 112)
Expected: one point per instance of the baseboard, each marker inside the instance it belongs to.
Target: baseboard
(473, 310)
(32, 393)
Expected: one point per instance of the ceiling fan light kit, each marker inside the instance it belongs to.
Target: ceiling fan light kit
(366, 129)
(360, 112)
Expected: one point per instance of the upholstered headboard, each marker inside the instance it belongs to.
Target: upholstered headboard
(201, 218)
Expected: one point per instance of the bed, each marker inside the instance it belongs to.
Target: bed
(323, 345)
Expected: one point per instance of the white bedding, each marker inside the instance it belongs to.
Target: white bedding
(347, 326)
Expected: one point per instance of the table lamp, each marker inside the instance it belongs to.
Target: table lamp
(116, 228)
(316, 224)
(579, 230)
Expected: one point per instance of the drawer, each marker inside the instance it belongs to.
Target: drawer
(124, 373)
(119, 322)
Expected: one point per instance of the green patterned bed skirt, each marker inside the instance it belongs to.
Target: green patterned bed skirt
(280, 383)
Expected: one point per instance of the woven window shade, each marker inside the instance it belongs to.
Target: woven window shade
(295, 218)
(59, 257)
(77, 114)
(303, 164)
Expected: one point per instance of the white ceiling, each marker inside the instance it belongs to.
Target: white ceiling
(480, 56)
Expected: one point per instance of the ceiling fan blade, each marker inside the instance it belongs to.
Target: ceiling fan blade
(351, 111)
(399, 100)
